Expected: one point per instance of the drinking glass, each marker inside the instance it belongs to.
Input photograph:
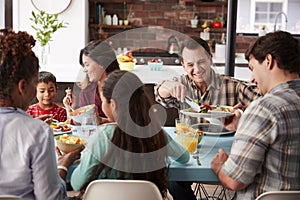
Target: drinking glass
(189, 140)
(88, 126)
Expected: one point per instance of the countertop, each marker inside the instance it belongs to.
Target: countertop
(71, 74)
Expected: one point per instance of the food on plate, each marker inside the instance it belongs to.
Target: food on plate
(62, 128)
(205, 108)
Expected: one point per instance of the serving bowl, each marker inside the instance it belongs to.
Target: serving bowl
(128, 66)
(68, 143)
(81, 113)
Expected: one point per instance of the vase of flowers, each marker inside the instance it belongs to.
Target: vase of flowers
(45, 26)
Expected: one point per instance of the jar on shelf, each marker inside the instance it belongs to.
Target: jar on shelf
(115, 20)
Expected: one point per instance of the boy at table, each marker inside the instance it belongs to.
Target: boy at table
(265, 155)
(46, 109)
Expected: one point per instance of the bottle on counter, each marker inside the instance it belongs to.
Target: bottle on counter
(262, 31)
(115, 19)
(220, 48)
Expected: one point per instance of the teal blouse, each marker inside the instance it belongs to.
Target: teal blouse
(97, 148)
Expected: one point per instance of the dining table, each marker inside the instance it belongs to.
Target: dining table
(195, 171)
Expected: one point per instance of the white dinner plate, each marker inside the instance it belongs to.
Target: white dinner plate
(55, 133)
(212, 129)
(209, 114)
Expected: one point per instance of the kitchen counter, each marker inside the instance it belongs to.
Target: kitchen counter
(64, 74)
(240, 60)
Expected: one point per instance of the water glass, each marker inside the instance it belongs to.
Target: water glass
(88, 126)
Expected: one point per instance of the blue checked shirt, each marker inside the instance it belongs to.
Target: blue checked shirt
(266, 150)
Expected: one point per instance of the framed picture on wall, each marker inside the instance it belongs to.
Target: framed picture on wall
(51, 6)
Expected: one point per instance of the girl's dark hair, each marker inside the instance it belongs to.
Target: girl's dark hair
(46, 77)
(17, 60)
(283, 47)
(102, 53)
(127, 90)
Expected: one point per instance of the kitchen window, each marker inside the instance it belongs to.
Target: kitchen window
(253, 14)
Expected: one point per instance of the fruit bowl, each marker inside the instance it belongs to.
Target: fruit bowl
(126, 61)
(68, 143)
(155, 65)
(128, 66)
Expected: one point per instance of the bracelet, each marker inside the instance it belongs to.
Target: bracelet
(63, 168)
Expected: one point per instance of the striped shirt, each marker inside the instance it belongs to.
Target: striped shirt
(59, 113)
(222, 90)
(266, 149)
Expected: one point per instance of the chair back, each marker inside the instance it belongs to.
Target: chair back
(106, 189)
(9, 197)
(279, 195)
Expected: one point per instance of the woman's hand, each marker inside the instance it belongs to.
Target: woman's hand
(67, 159)
(69, 100)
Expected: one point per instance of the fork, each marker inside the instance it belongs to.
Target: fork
(197, 159)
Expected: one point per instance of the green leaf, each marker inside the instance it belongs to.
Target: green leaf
(46, 25)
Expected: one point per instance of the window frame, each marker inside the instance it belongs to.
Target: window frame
(270, 25)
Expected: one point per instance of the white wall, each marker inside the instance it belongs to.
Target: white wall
(2, 14)
(67, 42)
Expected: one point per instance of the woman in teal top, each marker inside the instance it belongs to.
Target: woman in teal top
(135, 146)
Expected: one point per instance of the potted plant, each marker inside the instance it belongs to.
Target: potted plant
(45, 26)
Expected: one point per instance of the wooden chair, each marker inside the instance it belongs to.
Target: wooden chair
(279, 195)
(107, 189)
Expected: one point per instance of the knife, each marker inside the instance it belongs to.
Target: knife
(191, 103)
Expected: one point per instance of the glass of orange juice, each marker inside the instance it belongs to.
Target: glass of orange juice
(189, 140)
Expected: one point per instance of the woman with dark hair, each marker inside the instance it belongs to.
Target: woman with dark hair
(98, 59)
(134, 146)
(28, 165)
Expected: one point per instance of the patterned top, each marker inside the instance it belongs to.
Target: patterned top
(266, 149)
(59, 113)
(222, 90)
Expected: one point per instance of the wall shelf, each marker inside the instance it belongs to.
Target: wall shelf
(110, 26)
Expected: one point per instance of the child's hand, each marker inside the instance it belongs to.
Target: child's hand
(46, 118)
